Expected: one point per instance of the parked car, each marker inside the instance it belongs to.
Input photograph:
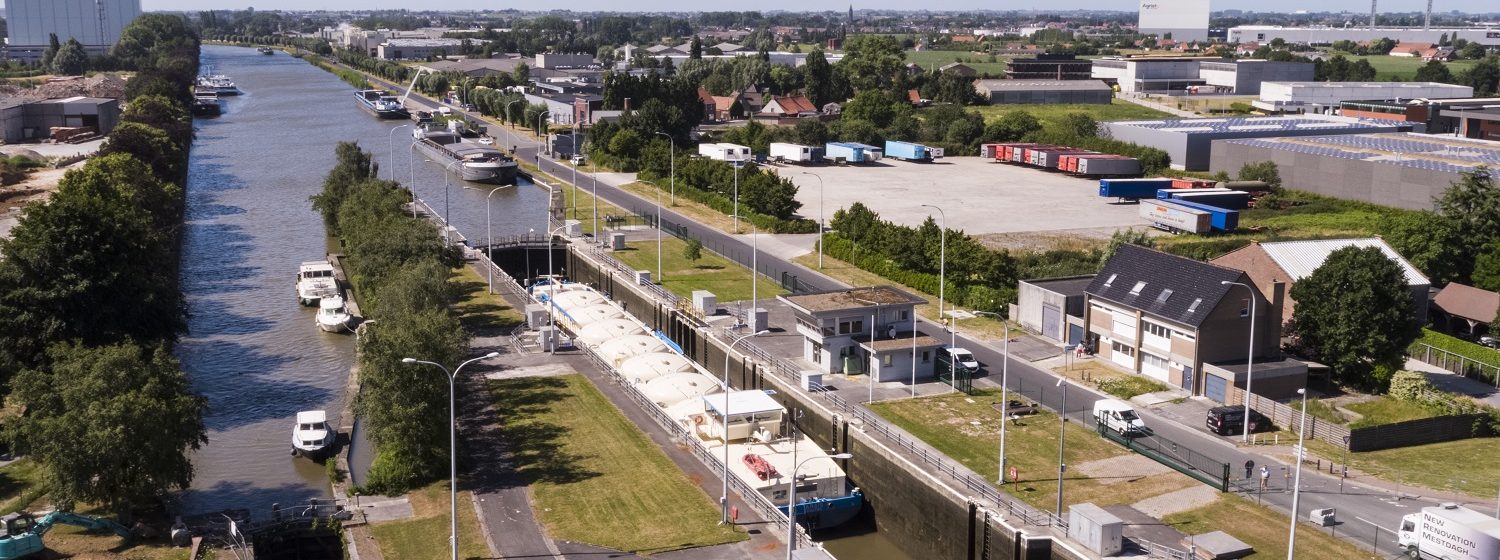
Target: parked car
(485, 140)
(1489, 341)
(1226, 420)
(578, 160)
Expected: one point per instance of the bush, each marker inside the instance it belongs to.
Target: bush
(1460, 347)
(1130, 386)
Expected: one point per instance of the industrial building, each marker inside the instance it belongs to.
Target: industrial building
(1243, 77)
(1428, 112)
(1483, 124)
(1402, 170)
(863, 330)
(24, 121)
(95, 23)
(1325, 97)
(563, 60)
(1049, 67)
(1187, 141)
(1327, 35)
(1045, 92)
(417, 49)
(1184, 20)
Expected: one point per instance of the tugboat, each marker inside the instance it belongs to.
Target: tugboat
(382, 104)
(479, 163)
(311, 437)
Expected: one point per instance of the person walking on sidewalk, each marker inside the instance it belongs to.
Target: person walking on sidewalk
(1265, 477)
(1249, 468)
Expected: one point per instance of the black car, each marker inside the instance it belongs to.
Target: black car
(1226, 420)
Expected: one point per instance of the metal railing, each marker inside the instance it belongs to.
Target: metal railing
(1457, 363)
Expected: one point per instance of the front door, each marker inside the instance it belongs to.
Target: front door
(1187, 378)
(1051, 322)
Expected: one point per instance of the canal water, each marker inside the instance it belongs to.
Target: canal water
(250, 348)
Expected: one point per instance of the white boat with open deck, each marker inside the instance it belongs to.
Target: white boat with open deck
(762, 447)
(312, 437)
(315, 281)
(333, 315)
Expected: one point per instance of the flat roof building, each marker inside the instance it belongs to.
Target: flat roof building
(1440, 116)
(863, 330)
(1049, 67)
(1325, 97)
(1327, 35)
(1402, 170)
(1161, 73)
(95, 23)
(1184, 20)
(22, 121)
(1188, 141)
(1045, 92)
(417, 49)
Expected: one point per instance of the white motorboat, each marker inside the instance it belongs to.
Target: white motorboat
(312, 437)
(315, 281)
(333, 316)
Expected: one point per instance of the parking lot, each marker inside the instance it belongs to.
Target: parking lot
(979, 196)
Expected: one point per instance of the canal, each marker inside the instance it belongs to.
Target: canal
(250, 348)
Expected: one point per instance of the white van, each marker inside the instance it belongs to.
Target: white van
(965, 361)
(1118, 416)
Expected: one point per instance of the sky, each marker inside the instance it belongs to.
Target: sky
(1357, 6)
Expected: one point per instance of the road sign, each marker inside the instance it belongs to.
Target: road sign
(1015, 474)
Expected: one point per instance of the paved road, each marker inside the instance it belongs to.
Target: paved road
(1368, 515)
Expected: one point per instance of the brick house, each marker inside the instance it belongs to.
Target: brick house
(1169, 318)
(1290, 261)
(860, 330)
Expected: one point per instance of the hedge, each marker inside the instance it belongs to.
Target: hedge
(769, 224)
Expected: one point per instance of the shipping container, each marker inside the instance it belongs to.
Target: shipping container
(1171, 216)
(1192, 183)
(1232, 200)
(1050, 158)
(990, 151)
(795, 152)
(1117, 166)
(724, 152)
(1132, 188)
(1221, 219)
(1024, 155)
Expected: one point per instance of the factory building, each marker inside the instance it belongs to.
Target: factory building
(1045, 91)
(1184, 20)
(1325, 97)
(417, 49)
(95, 23)
(1188, 141)
(1401, 170)
(1243, 77)
(1440, 116)
(1327, 35)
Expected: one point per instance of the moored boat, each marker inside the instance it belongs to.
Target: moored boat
(333, 315)
(381, 103)
(218, 83)
(479, 163)
(206, 103)
(312, 437)
(266, 51)
(315, 281)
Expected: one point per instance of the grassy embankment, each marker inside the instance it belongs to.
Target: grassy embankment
(930, 60)
(1263, 529)
(1117, 111)
(1389, 68)
(726, 279)
(23, 487)
(425, 534)
(595, 478)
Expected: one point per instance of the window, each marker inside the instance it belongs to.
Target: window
(1121, 348)
(1153, 361)
(1110, 281)
(1245, 307)
(851, 327)
(926, 356)
(1194, 307)
(885, 360)
(905, 314)
(1162, 298)
(817, 352)
(1137, 289)
(1158, 330)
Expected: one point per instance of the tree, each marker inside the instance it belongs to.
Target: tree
(1080, 125)
(110, 425)
(150, 145)
(71, 60)
(1432, 243)
(1265, 171)
(53, 45)
(1473, 203)
(1012, 126)
(1484, 77)
(1355, 314)
(1434, 71)
(873, 62)
(1130, 236)
(817, 79)
(1487, 268)
(693, 250)
(695, 50)
(1361, 71)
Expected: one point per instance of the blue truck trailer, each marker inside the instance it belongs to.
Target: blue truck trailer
(909, 151)
(851, 152)
(1232, 200)
(1220, 219)
(1132, 188)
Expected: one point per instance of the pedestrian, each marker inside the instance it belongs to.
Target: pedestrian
(1265, 477)
(1249, 468)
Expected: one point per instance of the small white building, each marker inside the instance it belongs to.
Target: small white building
(1325, 97)
(863, 330)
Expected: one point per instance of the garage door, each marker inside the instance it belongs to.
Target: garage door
(1051, 322)
(1213, 388)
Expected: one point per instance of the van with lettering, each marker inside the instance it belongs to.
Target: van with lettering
(1450, 532)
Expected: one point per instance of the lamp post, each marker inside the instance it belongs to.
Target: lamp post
(452, 445)
(595, 193)
(573, 145)
(1004, 395)
(672, 161)
(507, 109)
(1062, 466)
(541, 137)
(1291, 542)
(552, 292)
(447, 169)
(489, 238)
(737, 164)
(1249, 357)
(411, 169)
(791, 502)
(820, 218)
(724, 424)
(943, 271)
(390, 148)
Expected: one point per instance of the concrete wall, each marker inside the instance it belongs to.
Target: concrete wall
(1052, 96)
(1375, 182)
(1193, 150)
(1361, 33)
(1248, 75)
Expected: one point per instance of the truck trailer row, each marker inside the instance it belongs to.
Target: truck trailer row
(1063, 158)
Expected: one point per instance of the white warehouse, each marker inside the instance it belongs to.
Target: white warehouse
(1185, 20)
(1324, 97)
(95, 23)
(1326, 35)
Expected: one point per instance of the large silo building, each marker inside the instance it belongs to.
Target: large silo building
(1186, 20)
(95, 23)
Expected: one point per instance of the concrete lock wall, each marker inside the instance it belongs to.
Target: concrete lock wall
(924, 519)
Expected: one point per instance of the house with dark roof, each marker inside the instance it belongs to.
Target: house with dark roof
(1173, 319)
(958, 68)
(863, 330)
(1461, 308)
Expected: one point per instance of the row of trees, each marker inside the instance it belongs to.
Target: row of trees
(399, 267)
(89, 299)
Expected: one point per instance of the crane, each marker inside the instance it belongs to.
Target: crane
(413, 84)
(23, 532)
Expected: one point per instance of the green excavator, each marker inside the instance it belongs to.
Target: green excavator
(23, 531)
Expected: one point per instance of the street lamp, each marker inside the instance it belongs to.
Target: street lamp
(791, 502)
(1291, 543)
(820, 217)
(1004, 394)
(1249, 356)
(724, 424)
(1062, 431)
(507, 110)
(595, 193)
(672, 161)
(489, 238)
(390, 148)
(447, 169)
(411, 169)
(737, 164)
(943, 271)
(552, 292)
(452, 445)
(539, 117)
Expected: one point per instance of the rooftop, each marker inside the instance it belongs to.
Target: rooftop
(1082, 85)
(1176, 288)
(1247, 124)
(1468, 302)
(742, 402)
(1300, 258)
(902, 341)
(1068, 286)
(1406, 149)
(853, 298)
(1352, 85)
(423, 42)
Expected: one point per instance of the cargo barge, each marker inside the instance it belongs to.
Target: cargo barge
(381, 103)
(476, 162)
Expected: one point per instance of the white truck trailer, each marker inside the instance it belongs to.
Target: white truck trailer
(724, 151)
(1450, 532)
(795, 153)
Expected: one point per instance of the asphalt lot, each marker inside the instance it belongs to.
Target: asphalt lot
(979, 195)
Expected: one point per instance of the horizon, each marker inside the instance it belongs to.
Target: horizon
(1270, 6)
